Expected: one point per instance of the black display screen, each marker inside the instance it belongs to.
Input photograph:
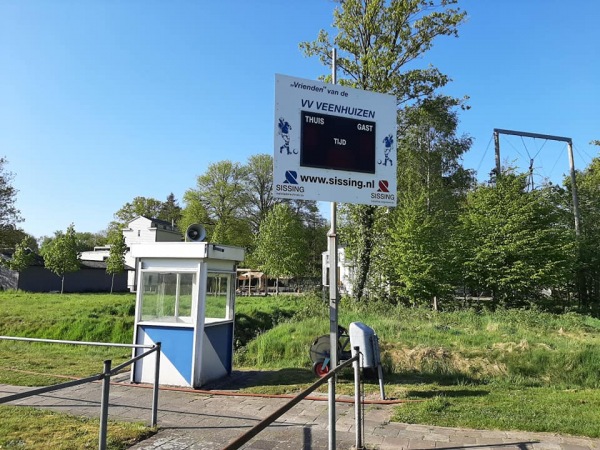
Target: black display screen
(337, 143)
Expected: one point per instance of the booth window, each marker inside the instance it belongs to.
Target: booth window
(167, 296)
(218, 293)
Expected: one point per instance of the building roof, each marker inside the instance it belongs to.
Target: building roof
(98, 265)
(157, 223)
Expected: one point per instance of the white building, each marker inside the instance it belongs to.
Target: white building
(98, 254)
(345, 271)
(144, 230)
(141, 230)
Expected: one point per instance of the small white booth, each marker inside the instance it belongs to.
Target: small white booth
(185, 301)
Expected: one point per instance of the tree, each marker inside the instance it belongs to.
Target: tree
(84, 241)
(281, 250)
(515, 242)
(10, 236)
(260, 201)
(87, 241)
(9, 214)
(221, 192)
(30, 242)
(139, 206)
(194, 212)
(362, 229)
(432, 185)
(21, 258)
(259, 189)
(376, 40)
(116, 259)
(61, 256)
(418, 254)
(588, 268)
(45, 241)
(315, 230)
(170, 210)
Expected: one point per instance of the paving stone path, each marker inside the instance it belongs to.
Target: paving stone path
(189, 420)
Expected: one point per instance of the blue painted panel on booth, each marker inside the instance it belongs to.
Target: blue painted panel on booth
(176, 345)
(221, 339)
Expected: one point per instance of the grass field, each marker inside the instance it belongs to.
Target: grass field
(98, 318)
(23, 427)
(523, 370)
(91, 317)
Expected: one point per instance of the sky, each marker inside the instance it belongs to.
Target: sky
(104, 101)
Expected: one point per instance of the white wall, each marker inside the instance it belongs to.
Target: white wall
(345, 268)
(142, 231)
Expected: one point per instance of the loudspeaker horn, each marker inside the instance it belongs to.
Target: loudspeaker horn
(195, 233)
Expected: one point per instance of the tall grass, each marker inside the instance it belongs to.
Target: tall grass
(508, 369)
(529, 347)
(85, 317)
(502, 369)
(523, 346)
(110, 318)
(256, 315)
(99, 318)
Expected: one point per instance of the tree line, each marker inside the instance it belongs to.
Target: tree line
(450, 236)
(235, 204)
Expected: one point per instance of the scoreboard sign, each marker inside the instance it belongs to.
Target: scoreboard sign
(338, 143)
(334, 143)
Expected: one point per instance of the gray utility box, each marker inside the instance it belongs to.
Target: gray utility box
(363, 337)
(366, 340)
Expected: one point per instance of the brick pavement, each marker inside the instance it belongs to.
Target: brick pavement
(190, 420)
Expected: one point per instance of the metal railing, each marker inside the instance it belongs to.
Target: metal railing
(247, 436)
(105, 376)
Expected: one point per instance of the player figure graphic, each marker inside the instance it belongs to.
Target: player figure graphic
(388, 141)
(284, 130)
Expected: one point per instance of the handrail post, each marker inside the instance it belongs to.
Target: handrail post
(357, 401)
(105, 376)
(244, 438)
(155, 389)
(104, 405)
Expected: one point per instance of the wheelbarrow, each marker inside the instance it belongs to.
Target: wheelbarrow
(362, 337)
(320, 351)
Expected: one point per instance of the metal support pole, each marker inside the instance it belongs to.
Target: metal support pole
(333, 298)
(104, 405)
(333, 323)
(569, 142)
(380, 375)
(155, 388)
(497, 152)
(358, 424)
(574, 189)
